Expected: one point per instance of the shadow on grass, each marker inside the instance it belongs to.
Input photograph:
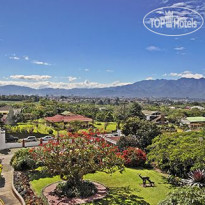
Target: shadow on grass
(121, 196)
(145, 167)
(38, 174)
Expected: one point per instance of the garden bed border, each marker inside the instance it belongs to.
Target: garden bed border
(15, 192)
(46, 201)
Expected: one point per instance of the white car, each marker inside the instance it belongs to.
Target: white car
(47, 138)
(30, 139)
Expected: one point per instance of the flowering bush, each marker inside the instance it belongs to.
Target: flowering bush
(76, 155)
(134, 157)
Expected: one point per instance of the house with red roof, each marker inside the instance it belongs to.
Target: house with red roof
(68, 118)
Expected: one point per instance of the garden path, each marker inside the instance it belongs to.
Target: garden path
(6, 193)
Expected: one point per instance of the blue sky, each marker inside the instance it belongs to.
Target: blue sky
(92, 43)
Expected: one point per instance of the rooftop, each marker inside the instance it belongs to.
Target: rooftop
(148, 112)
(69, 118)
(5, 108)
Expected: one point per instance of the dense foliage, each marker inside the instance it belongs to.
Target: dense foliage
(135, 110)
(178, 153)
(134, 157)
(144, 131)
(185, 196)
(127, 141)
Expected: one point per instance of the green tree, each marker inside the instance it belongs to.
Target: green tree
(109, 117)
(143, 130)
(135, 110)
(178, 154)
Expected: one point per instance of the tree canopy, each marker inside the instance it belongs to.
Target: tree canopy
(76, 155)
(142, 130)
(178, 153)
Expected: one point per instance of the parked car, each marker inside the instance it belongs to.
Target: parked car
(47, 138)
(11, 138)
(30, 139)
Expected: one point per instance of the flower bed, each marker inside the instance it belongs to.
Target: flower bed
(22, 185)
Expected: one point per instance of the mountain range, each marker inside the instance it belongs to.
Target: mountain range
(181, 88)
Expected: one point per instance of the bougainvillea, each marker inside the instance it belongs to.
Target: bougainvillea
(75, 155)
(134, 157)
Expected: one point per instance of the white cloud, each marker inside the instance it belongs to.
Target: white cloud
(70, 78)
(26, 58)
(187, 74)
(14, 58)
(165, 1)
(153, 48)
(109, 71)
(179, 48)
(40, 63)
(149, 78)
(179, 4)
(86, 70)
(63, 85)
(30, 77)
(192, 39)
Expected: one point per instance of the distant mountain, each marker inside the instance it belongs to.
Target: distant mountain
(181, 88)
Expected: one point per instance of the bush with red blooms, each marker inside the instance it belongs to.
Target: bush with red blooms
(134, 157)
(75, 155)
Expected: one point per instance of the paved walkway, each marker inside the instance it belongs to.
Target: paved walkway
(6, 193)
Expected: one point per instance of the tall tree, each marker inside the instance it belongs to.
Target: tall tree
(135, 110)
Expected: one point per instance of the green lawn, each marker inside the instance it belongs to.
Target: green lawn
(125, 188)
(101, 125)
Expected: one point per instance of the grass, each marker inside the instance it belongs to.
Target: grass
(101, 125)
(10, 102)
(39, 184)
(44, 129)
(125, 188)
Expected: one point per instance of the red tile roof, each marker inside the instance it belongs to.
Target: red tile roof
(61, 118)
